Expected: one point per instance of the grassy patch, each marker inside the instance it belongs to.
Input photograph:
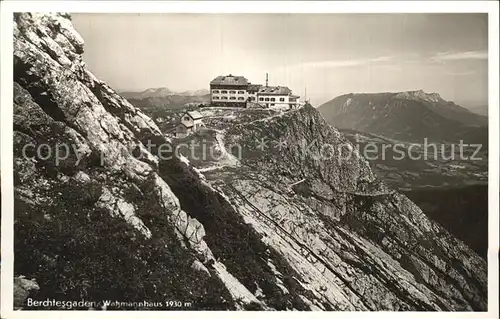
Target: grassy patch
(77, 251)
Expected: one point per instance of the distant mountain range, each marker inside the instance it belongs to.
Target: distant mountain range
(479, 109)
(158, 99)
(161, 92)
(408, 116)
(171, 102)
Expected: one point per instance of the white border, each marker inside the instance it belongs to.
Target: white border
(7, 7)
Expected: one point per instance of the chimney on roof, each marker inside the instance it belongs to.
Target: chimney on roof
(267, 79)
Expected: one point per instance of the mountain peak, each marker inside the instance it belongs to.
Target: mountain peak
(410, 115)
(420, 94)
(158, 89)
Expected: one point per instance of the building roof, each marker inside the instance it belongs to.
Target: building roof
(186, 125)
(254, 87)
(194, 115)
(275, 90)
(229, 80)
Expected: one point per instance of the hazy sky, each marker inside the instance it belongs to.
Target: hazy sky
(330, 54)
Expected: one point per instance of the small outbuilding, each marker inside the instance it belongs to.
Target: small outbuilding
(191, 121)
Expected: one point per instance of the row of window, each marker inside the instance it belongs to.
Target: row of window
(282, 99)
(230, 92)
(241, 98)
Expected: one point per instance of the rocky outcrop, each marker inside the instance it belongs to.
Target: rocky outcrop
(344, 230)
(22, 289)
(93, 117)
(285, 142)
(71, 128)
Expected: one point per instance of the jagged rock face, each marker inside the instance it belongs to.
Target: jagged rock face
(301, 145)
(374, 245)
(111, 220)
(104, 170)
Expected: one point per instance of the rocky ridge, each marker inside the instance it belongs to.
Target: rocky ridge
(59, 102)
(347, 223)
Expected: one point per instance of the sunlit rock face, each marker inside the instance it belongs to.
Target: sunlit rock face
(372, 242)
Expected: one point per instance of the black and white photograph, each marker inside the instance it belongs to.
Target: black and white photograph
(249, 161)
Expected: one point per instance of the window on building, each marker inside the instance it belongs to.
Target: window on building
(241, 92)
(224, 98)
(272, 104)
(273, 99)
(232, 98)
(241, 98)
(282, 99)
(215, 91)
(261, 99)
(267, 99)
(251, 98)
(223, 92)
(186, 118)
(232, 92)
(215, 97)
